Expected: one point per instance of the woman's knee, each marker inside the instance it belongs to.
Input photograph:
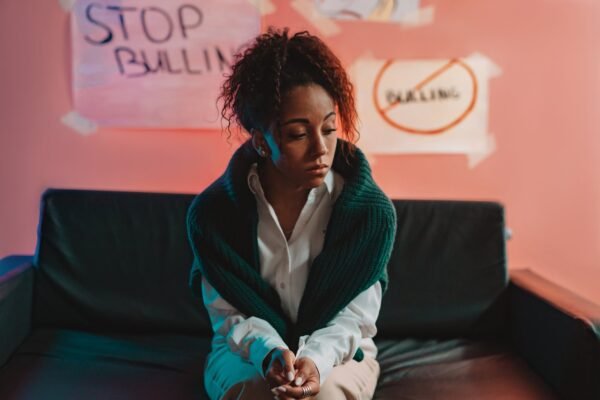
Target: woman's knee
(332, 392)
(351, 381)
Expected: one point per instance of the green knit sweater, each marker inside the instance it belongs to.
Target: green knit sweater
(222, 229)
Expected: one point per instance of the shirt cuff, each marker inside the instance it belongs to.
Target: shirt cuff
(259, 349)
(324, 364)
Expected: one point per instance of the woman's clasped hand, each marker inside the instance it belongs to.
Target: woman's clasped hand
(291, 378)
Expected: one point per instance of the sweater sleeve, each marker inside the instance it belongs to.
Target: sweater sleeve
(251, 338)
(337, 342)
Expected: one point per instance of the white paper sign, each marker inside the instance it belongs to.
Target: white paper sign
(154, 63)
(429, 106)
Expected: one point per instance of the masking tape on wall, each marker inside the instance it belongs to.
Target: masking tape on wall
(309, 11)
(419, 17)
(79, 123)
(264, 6)
(494, 69)
(474, 159)
(67, 5)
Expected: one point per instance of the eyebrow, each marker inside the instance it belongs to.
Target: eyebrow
(304, 120)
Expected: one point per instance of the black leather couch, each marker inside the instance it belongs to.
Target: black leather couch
(103, 309)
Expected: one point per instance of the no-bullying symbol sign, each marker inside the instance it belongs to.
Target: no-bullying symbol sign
(448, 94)
(424, 106)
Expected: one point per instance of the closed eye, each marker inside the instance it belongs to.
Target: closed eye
(298, 136)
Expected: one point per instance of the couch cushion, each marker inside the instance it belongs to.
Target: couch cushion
(118, 259)
(455, 369)
(66, 364)
(447, 270)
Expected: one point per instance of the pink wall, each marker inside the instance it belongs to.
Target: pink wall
(544, 114)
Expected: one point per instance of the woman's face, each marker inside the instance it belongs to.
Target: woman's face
(302, 145)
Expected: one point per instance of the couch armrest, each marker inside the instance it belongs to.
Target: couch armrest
(16, 294)
(558, 334)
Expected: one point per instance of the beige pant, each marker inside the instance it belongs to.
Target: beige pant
(351, 381)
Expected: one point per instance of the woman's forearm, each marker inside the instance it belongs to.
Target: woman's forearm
(251, 338)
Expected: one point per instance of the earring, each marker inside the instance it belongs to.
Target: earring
(262, 152)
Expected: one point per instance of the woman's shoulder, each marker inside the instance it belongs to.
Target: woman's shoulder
(209, 203)
(229, 195)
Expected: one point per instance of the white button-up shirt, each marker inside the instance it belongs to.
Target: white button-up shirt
(285, 265)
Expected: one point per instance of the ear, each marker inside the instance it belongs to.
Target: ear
(259, 143)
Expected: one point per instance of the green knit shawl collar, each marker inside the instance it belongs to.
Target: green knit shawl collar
(357, 245)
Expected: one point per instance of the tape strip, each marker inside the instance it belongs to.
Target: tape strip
(475, 159)
(79, 123)
(494, 69)
(264, 6)
(308, 10)
(67, 5)
(419, 17)
(352, 69)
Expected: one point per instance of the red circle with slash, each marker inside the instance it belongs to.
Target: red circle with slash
(383, 111)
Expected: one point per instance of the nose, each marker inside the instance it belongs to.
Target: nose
(320, 147)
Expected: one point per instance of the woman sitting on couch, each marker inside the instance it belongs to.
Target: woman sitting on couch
(291, 242)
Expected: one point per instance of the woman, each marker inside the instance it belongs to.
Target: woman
(291, 242)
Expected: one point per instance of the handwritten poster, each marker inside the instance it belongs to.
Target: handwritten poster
(424, 106)
(157, 64)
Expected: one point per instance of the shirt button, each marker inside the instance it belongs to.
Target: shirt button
(282, 285)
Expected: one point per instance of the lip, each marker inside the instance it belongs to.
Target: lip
(317, 167)
(317, 170)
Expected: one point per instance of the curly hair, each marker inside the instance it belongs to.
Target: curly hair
(273, 64)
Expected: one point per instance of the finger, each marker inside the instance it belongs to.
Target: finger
(306, 372)
(280, 373)
(314, 383)
(275, 379)
(297, 392)
(279, 368)
(282, 395)
(299, 381)
(279, 391)
(288, 366)
(291, 393)
(301, 373)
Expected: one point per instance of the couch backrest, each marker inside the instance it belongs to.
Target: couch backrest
(447, 271)
(115, 261)
(121, 261)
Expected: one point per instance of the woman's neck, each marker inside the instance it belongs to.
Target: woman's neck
(278, 190)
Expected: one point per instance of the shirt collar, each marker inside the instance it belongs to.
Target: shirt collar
(256, 187)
